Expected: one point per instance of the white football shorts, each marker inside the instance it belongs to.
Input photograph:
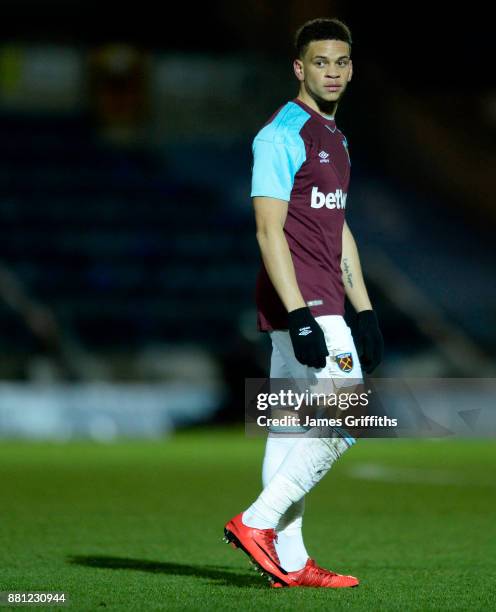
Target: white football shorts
(342, 371)
(342, 364)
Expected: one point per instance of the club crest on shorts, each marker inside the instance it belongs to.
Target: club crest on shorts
(345, 362)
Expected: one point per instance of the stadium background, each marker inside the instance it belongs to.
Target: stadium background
(128, 256)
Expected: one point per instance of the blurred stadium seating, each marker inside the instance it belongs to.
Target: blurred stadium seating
(127, 239)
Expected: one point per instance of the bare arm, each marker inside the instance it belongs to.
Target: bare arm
(352, 273)
(270, 216)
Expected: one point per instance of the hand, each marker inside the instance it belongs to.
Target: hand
(370, 344)
(308, 338)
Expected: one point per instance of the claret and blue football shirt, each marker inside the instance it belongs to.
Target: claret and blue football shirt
(301, 157)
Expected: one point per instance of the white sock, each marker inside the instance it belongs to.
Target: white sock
(304, 466)
(276, 449)
(289, 546)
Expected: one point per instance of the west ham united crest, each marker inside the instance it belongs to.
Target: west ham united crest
(345, 362)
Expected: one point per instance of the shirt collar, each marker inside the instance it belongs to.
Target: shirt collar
(331, 123)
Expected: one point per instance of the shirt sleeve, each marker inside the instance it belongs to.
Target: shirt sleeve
(274, 168)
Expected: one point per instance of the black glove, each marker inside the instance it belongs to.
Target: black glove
(307, 337)
(370, 344)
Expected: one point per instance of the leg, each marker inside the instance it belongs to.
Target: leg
(305, 462)
(289, 546)
(307, 459)
(304, 466)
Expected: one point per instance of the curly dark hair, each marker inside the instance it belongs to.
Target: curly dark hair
(320, 29)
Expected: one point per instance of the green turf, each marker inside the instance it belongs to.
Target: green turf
(138, 526)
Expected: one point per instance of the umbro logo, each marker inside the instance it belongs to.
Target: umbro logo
(324, 157)
(304, 331)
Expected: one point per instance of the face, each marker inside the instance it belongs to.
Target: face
(325, 70)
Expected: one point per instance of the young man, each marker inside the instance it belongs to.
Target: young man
(310, 262)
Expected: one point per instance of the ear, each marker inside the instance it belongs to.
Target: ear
(351, 71)
(298, 69)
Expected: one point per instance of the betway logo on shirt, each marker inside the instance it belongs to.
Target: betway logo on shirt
(329, 200)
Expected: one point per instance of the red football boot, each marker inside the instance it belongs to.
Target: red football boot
(314, 576)
(257, 544)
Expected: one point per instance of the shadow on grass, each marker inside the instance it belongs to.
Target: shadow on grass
(216, 573)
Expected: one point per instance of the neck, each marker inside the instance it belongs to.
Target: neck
(326, 109)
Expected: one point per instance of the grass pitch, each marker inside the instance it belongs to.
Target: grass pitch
(138, 525)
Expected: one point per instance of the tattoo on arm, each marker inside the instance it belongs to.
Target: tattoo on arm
(347, 274)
